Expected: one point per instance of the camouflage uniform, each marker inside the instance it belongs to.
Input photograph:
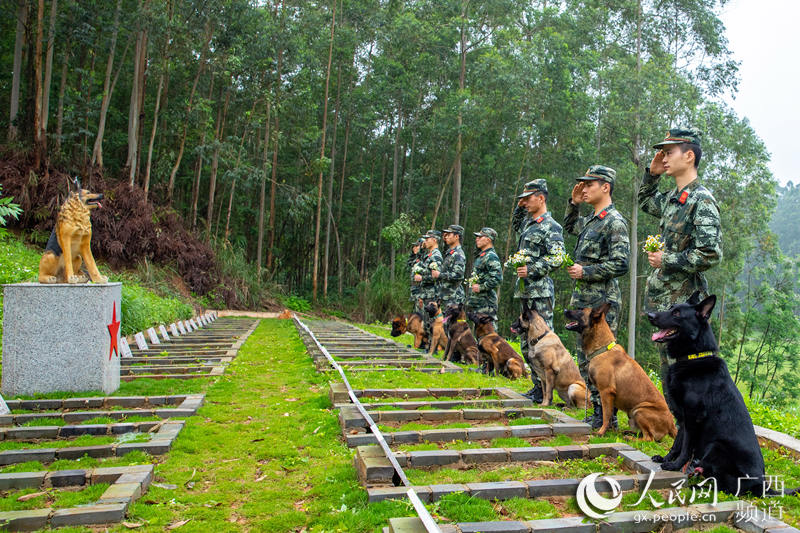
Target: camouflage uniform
(413, 260)
(690, 227)
(544, 239)
(428, 287)
(489, 271)
(603, 249)
(451, 273)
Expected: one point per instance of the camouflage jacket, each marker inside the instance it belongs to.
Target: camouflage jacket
(428, 286)
(413, 259)
(451, 277)
(603, 250)
(690, 227)
(544, 239)
(489, 271)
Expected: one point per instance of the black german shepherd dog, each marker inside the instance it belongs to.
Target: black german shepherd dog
(715, 431)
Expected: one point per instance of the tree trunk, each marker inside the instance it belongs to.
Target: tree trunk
(61, 92)
(633, 299)
(314, 280)
(395, 178)
(149, 163)
(199, 164)
(263, 198)
(366, 224)
(330, 183)
(274, 180)
(48, 67)
(212, 182)
(200, 68)
(339, 210)
(19, 43)
(97, 152)
(38, 137)
(134, 109)
(461, 78)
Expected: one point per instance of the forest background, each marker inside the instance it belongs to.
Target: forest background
(297, 148)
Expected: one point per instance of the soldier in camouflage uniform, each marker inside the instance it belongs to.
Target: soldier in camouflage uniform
(542, 237)
(451, 275)
(602, 254)
(689, 224)
(487, 274)
(414, 258)
(431, 262)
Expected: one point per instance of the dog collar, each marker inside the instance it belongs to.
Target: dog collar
(438, 316)
(698, 355)
(461, 320)
(540, 337)
(602, 349)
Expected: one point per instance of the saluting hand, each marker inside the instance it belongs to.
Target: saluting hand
(657, 164)
(577, 193)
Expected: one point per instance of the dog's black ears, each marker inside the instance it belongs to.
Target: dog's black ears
(705, 307)
(694, 299)
(599, 311)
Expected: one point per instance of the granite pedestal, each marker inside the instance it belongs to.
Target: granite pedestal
(58, 337)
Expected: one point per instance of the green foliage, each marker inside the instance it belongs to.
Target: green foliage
(142, 309)
(380, 297)
(297, 303)
(401, 232)
(7, 208)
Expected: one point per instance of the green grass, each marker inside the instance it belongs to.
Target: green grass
(520, 472)
(55, 498)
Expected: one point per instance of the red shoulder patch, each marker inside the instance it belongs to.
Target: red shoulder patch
(602, 214)
(482, 254)
(538, 220)
(684, 196)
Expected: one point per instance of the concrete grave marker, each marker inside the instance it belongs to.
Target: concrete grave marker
(153, 336)
(193, 323)
(140, 342)
(61, 337)
(181, 327)
(189, 325)
(4, 410)
(125, 347)
(201, 320)
(174, 330)
(163, 332)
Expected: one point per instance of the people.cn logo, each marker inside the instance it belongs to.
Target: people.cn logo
(589, 500)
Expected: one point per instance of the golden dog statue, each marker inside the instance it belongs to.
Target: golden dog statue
(69, 244)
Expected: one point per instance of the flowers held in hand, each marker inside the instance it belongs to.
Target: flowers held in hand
(472, 279)
(558, 259)
(568, 262)
(417, 269)
(653, 244)
(433, 266)
(518, 259)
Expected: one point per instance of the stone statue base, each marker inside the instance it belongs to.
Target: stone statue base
(59, 337)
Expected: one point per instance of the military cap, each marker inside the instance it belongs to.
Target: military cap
(533, 187)
(680, 136)
(599, 172)
(435, 233)
(486, 232)
(454, 228)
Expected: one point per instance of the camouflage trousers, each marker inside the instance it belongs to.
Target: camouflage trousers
(612, 317)
(543, 306)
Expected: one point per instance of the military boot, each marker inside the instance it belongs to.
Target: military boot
(536, 394)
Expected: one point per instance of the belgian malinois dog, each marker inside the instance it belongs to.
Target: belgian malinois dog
(716, 432)
(438, 336)
(551, 361)
(413, 324)
(501, 356)
(619, 379)
(461, 346)
(69, 245)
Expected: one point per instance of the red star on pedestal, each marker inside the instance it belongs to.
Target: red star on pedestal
(113, 330)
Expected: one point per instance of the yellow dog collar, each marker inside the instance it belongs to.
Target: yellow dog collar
(699, 355)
